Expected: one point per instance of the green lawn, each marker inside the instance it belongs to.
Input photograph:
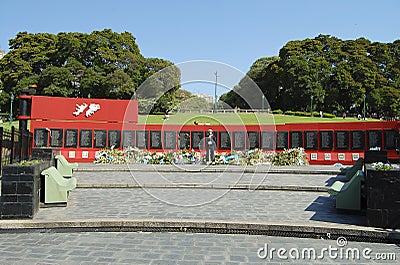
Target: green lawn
(240, 118)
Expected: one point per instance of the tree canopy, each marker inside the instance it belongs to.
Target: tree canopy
(335, 73)
(102, 64)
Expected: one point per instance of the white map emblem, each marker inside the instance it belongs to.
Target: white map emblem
(92, 109)
(79, 109)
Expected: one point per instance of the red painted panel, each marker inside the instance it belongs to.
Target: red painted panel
(84, 109)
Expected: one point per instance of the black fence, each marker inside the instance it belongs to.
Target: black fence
(15, 146)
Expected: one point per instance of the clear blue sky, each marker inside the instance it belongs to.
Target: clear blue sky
(232, 32)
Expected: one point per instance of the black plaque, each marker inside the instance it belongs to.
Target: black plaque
(141, 139)
(100, 137)
(71, 138)
(296, 139)
(342, 140)
(357, 140)
(374, 139)
(267, 140)
(41, 137)
(184, 140)
(390, 139)
(326, 140)
(282, 140)
(225, 141)
(85, 138)
(254, 140)
(239, 141)
(311, 138)
(56, 137)
(114, 138)
(169, 140)
(155, 140)
(197, 137)
(128, 139)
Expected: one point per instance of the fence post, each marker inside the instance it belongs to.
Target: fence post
(12, 144)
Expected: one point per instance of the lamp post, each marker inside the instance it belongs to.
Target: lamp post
(311, 105)
(262, 102)
(364, 96)
(11, 108)
(215, 92)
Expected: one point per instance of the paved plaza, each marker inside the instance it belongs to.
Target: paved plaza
(280, 196)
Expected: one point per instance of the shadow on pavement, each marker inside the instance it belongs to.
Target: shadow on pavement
(325, 211)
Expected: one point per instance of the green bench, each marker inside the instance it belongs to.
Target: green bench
(56, 187)
(64, 167)
(348, 194)
(349, 172)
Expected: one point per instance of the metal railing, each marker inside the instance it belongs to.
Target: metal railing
(15, 146)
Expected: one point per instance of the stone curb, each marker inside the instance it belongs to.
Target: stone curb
(212, 170)
(201, 186)
(350, 232)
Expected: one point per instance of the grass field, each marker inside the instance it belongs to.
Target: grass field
(233, 119)
(225, 119)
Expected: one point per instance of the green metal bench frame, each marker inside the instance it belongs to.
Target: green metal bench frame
(56, 187)
(349, 172)
(64, 167)
(348, 194)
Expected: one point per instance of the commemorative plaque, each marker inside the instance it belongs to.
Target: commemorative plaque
(71, 138)
(267, 140)
(56, 137)
(281, 140)
(374, 139)
(342, 140)
(239, 140)
(100, 138)
(390, 139)
(326, 140)
(296, 139)
(184, 140)
(41, 137)
(253, 138)
(357, 140)
(311, 138)
(225, 141)
(128, 139)
(114, 138)
(85, 138)
(155, 140)
(169, 140)
(141, 139)
(197, 137)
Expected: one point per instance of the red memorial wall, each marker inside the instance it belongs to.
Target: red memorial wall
(78, 127)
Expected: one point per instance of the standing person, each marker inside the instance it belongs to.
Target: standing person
(210, 147)
(344, 115)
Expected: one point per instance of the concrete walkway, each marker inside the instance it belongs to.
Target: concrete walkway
(147, 195)
(224, 215)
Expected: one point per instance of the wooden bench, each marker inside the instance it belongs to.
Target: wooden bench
(56, 187)
(348, 194)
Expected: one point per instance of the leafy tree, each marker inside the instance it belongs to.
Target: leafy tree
(100, 64)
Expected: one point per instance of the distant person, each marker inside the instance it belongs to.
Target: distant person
(344, 115)
(359, 117)
(321, 114)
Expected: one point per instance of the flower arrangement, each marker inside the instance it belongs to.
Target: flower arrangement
(132, 155)
(382, 166)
